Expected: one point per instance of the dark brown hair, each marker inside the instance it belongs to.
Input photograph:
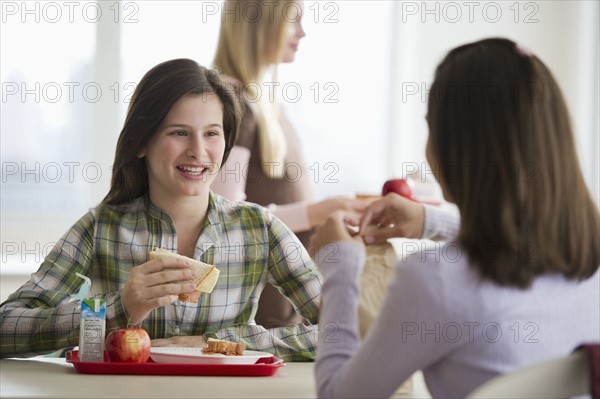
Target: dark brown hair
(154, 96)
(501, 137)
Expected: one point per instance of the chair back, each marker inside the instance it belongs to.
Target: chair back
(558, 378)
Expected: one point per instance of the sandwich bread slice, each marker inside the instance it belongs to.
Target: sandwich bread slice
(207, 274)
(224, 347)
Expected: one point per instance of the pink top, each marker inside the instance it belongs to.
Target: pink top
(242, 178)
(294, 215)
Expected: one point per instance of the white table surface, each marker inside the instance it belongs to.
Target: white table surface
(54, 378)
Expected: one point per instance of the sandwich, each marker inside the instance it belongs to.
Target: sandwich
(226, 348)
(207, 274)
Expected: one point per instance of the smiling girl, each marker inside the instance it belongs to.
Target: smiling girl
(180, 127)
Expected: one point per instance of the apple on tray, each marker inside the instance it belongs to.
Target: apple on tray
(128, 345)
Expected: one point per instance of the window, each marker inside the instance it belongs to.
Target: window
(69, 68)
(48, 94)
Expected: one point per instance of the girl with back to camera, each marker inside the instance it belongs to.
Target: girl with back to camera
(180, 127)
(518, 281)
(266, 165)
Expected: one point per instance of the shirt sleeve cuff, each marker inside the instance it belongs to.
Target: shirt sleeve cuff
(295, 215)
(440, 224)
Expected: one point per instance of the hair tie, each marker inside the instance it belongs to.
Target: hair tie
(522, 50)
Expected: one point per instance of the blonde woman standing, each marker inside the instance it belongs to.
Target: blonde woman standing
(266, 166)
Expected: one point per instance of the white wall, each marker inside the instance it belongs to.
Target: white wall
(565, 37)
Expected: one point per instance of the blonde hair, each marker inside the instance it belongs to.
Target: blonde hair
(248, 45)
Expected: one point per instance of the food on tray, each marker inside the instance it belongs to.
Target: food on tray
(207, 274)
(223, 347)
(130, 345)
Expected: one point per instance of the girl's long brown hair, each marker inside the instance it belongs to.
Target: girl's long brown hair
(501, 136)
(248, 45)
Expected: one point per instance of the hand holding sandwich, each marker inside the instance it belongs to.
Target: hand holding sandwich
(162, 280)
(154, 284)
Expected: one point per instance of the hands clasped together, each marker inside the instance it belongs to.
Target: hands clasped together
(389, 217)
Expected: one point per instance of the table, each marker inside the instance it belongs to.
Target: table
(43, 377)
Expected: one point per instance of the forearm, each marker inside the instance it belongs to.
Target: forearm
(294, 344)
(38, 317)
(339, 316)
(28, 332)
(417, 296)
(347, 368)
(27, 329)
(294, 215)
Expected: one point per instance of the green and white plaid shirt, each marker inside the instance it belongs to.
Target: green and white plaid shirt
(244, 241)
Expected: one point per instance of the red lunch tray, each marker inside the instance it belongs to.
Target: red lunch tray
(264, 367)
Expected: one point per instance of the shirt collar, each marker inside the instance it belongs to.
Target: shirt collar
(211, 231)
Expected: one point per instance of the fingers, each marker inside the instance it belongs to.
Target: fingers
(394, 216)
(371, 215)
(162, 271)
(139, 304)
(166, 290)
(161, 301)
(157, 265)
(155, 284)
(320, 211)
(380, 235)
(338, 222)
(170, 276)
(137, 308)
(359, 205)
(334, 229)
(144, 296)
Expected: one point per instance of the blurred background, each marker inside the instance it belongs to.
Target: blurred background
(357, 92)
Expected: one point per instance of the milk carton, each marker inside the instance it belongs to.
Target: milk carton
(91, 330)
(92, 325)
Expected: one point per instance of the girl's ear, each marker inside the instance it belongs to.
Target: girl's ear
(142, 153)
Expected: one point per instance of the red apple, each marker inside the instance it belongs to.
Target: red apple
(128, 345)
(398, 186)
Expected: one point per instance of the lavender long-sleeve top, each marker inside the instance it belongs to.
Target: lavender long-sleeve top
(441, 317)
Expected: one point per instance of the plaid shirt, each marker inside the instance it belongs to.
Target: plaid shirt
(248, 244)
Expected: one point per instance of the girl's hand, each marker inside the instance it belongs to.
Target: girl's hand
(154, 284)
(320, 211)
(196, 341)
(335, 229)
(392, 216)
